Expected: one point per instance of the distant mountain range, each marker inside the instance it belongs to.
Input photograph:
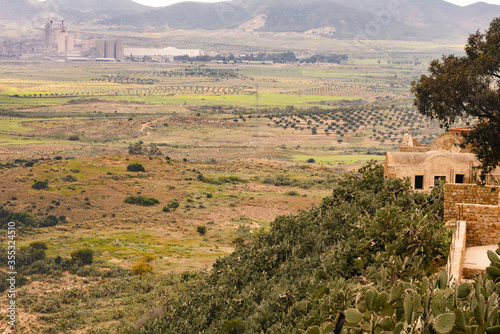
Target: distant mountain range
(36, 12)
(366, 19)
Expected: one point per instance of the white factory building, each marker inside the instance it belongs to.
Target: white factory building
(165, 52)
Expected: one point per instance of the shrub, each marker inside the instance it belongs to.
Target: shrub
(135, 167)
(141, 200)
(282, 180)
(38, 245)
(269, 180)
(69, 178)
(231, 179)
(171, 206)
(234, 326)
(141, 268)
(136, 149)
(40, 185)
(82, 256)
(148, 258)
(208, 180)
(50, 221)
(154, 150)
(201, 229)
(292, 193)
(28, 255)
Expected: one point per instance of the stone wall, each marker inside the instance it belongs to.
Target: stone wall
(467, 194)
(483, 224)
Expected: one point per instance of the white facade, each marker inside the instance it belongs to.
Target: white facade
(170, 51)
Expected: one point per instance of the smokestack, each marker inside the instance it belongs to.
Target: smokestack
(78, 31)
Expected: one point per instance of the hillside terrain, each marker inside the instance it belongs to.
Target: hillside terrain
(363, 19)
(360, 19)
(36, 12)
(368, 223)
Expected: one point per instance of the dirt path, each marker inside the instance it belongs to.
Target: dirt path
(148, 125)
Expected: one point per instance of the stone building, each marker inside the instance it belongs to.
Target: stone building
(444, 159)
(474, 211)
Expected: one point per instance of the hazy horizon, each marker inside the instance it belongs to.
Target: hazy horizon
(163, 3)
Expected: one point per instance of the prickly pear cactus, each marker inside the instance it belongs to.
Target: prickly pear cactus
(434, 306)
(493, 269)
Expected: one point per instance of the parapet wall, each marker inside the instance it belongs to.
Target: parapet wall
(467, 194)
(483, 224)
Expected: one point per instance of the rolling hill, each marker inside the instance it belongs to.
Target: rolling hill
(363, 19)
(36, 12)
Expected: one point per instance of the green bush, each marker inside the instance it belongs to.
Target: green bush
(82, 256)
(141, 200)
(221, 180)
(38, 245)
(292, 193)
(201, 229)
(24, 219)
(171, 206)
(234, 326)
(38, 185)
(136, 167)
(283, 180)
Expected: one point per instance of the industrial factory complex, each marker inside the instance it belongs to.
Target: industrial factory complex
(59, 44)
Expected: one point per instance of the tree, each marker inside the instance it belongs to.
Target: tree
(459, 87)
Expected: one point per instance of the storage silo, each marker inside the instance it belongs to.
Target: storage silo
(119, 50)
(61, 43)
(100, 47)
(70, 42)
(110, 48)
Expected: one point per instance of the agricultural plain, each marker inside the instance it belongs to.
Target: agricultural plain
(225, 149)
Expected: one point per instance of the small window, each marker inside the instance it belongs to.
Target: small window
(438, 178)
(459, 178)
(419, 182)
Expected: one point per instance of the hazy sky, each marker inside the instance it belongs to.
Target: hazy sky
(159, 3)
